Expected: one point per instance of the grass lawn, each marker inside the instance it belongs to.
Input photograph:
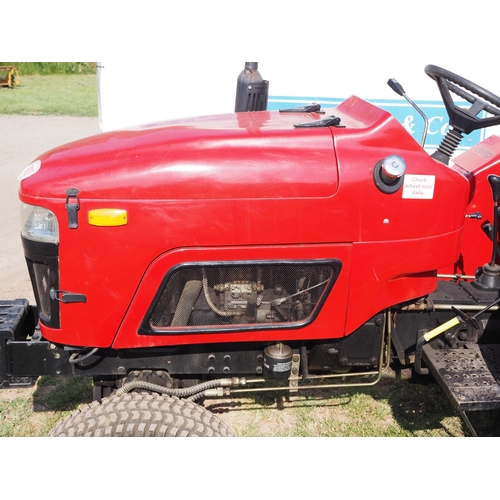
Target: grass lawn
(60, 95)
(389, 409)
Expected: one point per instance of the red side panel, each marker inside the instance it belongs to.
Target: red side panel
(246, 187)
(329, 323)
(477, 163)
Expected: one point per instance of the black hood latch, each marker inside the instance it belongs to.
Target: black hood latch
(72, 206)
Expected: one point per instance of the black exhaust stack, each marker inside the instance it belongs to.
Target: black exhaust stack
(251, 90)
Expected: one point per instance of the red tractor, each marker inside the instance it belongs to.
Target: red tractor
(261, 250)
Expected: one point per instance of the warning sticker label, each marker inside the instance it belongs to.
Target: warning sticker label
(419, 187)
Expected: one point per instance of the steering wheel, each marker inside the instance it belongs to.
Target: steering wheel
(465, 120)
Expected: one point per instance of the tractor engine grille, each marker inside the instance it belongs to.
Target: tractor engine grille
(43, 267)
(41, 286)
(234, 296)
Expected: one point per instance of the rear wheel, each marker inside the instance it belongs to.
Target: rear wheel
(142, 415)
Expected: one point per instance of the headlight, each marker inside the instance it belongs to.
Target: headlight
(39, 224)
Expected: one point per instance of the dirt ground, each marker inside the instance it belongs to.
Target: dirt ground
(22, 140)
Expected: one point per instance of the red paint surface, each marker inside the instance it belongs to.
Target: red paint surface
(248, 186)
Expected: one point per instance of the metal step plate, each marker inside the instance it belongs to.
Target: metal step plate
(469, 375)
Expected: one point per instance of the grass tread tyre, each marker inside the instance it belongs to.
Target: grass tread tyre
(142, 415)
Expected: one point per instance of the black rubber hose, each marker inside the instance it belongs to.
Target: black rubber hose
(188, 298)
(77, 357)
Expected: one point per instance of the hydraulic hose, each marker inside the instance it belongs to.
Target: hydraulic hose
(196, 397)
(212, 306)
(77, 357)
(180, 393)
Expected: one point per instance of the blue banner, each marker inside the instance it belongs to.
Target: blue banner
(402, 111)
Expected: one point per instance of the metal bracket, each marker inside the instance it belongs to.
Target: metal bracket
(294, 377)
(67, 297)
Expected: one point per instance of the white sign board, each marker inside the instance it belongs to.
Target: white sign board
(419, 187)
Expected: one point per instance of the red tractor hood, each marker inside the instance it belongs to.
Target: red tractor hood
(245, 187)
(260, 156)
(241, 155)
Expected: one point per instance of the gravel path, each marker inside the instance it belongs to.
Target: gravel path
(22, 140)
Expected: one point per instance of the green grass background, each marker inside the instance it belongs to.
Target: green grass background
(60, 89)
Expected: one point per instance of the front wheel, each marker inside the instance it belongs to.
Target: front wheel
(142, 415)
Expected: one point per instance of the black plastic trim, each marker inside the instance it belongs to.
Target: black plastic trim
(46, 254)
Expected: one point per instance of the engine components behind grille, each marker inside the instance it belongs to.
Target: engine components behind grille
(234, 295)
